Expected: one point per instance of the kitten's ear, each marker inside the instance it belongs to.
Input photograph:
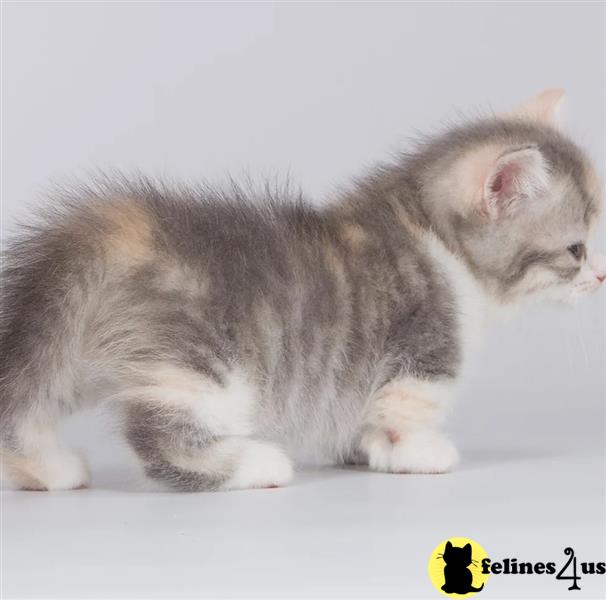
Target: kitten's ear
(467, 548)
(448, 546)
(543, 107)
(514, 179)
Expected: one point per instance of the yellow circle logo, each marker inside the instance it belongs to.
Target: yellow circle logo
(455, 567)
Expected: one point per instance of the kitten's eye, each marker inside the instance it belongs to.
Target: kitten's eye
(577, 250)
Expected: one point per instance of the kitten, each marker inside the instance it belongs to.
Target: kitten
(227, 329)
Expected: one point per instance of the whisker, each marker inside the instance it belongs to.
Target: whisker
(581, 340)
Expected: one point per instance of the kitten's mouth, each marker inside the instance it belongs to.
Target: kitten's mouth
(587, 287)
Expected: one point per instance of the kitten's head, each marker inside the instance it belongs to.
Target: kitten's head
(518, 201)
(457, 557)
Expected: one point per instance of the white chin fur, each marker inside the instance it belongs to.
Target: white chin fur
(574, 292)
(545, 286)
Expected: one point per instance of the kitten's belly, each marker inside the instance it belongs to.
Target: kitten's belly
(315, 425)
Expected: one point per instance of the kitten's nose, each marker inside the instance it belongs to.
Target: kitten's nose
(598, 266)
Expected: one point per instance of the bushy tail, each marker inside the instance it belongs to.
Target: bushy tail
(47, 286)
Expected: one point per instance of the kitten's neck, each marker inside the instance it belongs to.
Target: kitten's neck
(394, 200)
(389, 195)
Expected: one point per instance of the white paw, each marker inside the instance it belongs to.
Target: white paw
(56, 469)
(425, 451)
(261, 465)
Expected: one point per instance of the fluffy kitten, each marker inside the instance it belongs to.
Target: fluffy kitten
(228, 329)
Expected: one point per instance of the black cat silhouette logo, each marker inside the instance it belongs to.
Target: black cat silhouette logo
(455, 567)
(457, 576)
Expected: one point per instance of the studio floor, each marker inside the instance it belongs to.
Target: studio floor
(334, 533)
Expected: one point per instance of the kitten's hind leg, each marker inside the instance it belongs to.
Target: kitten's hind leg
(193, 433)
(33, 458)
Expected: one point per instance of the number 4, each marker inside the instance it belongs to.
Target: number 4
(574, 576)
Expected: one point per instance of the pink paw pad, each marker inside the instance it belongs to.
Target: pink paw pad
(393, 436)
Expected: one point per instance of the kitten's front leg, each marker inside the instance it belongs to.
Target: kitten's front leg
(401, 432)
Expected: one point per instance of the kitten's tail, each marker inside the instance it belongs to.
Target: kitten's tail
(46, 286)
(472, 589)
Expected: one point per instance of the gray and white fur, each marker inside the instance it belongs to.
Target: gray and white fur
(231, 329)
